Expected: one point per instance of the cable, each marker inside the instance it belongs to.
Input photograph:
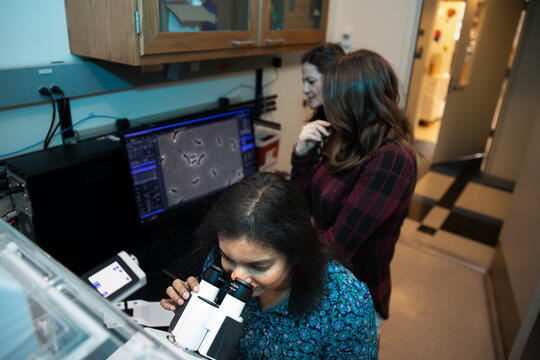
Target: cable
(274, 79)
(252, 87)
(46, 92)
(55, 89)
(11, 192)
(89, 117)
(11, 212)
(236, 88)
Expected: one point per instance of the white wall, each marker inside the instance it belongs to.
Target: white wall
(521, 231)
(519, 239)
(290, 113)
(388, 27)
(517, 117)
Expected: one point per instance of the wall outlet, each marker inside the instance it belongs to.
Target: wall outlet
(194, 66)
(346, 40)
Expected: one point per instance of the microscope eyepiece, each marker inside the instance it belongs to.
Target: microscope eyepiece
(214, 276)
(240, 290)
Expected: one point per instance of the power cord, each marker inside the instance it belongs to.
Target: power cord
(274, 79)
(16, 189)
(241, 86)
(46, 92)
(55, 89)
(9, 215)
(89, 117)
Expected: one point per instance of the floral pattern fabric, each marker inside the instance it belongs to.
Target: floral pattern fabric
(341, 326)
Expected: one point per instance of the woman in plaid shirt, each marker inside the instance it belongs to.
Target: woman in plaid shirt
(358, 169)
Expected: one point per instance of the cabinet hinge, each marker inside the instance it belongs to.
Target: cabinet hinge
(137, 23)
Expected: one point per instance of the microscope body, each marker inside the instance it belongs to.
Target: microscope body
(201, 325)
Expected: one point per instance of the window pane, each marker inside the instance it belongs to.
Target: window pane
(296, 14)
(204, 15)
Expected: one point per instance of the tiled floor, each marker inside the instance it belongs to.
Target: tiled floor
(439, 301)
(453, 200)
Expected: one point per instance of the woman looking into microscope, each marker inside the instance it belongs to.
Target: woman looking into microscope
(304, 305)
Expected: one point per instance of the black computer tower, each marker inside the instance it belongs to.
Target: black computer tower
(76, 202)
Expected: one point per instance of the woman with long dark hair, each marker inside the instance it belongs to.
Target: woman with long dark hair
(313, 64)
(360, 189)
(305, 306)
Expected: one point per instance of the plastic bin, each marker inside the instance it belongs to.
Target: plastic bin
(267, 145)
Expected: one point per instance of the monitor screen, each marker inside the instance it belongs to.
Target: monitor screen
(176, 163)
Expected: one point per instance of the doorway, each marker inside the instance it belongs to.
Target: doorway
(461, 61)
(436, 77)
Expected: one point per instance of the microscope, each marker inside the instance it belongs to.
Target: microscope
(200, 325)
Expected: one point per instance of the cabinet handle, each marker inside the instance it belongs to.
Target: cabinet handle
(245, 42)
(271, 41)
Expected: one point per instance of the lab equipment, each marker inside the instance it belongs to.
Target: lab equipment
(75, 202)
(203, 326)
(117, 278)
(47, 312)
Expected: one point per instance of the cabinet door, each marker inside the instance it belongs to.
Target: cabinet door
(290, 22)
(172, 26)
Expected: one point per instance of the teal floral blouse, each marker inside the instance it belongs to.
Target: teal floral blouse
(341, 326)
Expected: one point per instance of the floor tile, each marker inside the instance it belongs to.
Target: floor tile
(409, 227)
(463, 248)
(427, 229)
(467, 171)
(494, 182)
(473, 228)
(437, 310)
(419, 208)
(455, 168)
(435, 218)
(485, 200)
(433, 185)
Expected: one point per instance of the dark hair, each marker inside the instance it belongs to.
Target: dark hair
(322, 55)
(361, 96)
(267, 210)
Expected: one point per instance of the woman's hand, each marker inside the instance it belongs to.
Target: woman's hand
(179, 292)
(311, 134)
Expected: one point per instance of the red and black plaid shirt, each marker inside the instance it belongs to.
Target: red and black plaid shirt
(359, 212)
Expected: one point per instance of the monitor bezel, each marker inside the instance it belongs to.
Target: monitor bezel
(197, 205)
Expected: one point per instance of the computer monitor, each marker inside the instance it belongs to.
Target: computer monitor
(179, 162)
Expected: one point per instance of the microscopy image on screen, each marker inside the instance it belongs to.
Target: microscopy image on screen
(199, 160)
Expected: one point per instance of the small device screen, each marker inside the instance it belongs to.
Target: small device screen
(116, 278)
(175, 163)
(110, 279)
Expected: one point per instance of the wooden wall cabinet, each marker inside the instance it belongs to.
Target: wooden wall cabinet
(147, 32)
